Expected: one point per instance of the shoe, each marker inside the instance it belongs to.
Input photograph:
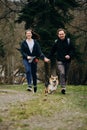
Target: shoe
(63, 91)
(29, 88)
(35, 89)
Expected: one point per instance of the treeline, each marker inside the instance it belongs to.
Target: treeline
(44, 16)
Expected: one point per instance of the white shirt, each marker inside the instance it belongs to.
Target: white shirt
(30, 44)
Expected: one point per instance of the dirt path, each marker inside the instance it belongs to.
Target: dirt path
(8, 97)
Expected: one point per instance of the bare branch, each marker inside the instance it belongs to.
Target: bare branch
(76, 27)
(10, 7)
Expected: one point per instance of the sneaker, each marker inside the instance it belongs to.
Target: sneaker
(35, 89)
(29, 88)
(63, 91)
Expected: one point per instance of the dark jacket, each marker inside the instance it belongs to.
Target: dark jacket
(62, 48)
(36, 50)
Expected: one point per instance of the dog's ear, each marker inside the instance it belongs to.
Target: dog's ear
(51, 76)
(56, 77)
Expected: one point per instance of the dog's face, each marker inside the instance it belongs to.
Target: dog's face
(53, 83)
(53, 80)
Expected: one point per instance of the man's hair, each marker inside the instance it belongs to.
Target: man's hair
(60, 29)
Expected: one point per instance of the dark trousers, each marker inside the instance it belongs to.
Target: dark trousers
(63, 68)
(31, 70)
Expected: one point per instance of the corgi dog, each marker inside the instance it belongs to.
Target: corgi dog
(52, 86)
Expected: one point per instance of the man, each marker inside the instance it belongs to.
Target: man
(64, 50)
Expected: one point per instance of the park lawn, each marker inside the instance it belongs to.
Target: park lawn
(48, 112)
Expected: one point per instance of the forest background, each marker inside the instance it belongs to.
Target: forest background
(16, 16)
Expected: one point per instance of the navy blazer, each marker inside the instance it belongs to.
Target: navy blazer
(35, 52)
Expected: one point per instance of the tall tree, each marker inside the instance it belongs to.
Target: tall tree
(79, 28)
(10, 35)
(45, 16)
(2, 50)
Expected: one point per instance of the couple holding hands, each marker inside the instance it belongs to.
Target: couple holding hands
(31, 51)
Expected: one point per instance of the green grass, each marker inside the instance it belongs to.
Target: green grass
(14, 87)
(71, 108)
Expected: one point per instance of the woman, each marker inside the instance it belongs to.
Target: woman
(31, 51)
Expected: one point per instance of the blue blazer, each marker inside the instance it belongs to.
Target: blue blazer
(36, 50)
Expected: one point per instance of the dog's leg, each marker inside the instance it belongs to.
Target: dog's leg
(46, 90)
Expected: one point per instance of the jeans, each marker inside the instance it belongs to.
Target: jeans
(31, 70)
(63, 68)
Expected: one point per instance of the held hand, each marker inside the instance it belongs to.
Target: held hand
(29, 57)
(67, 57)
(46, 60)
